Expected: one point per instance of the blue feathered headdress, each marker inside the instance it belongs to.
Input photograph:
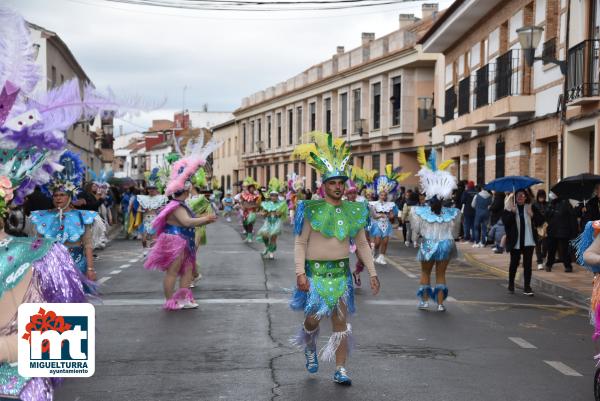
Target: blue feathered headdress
(68, 180)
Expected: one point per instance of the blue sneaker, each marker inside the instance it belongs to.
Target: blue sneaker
(341, 376)
(312, 362)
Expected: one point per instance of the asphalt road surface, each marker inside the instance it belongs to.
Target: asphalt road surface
(489, 345)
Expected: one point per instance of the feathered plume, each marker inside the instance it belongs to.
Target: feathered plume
(330, 157)
(17, 53)
(434, 180)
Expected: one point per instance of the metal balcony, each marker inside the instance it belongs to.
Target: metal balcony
(583, 74)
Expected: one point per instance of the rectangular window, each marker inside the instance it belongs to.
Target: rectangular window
(328, 115)
(252, 136)
(244, 138)
(278, 130)
(344, 113)
(313, 116)
(62, 79)
(376, 105)
(356, 105)
(376, 162)
(53, 77)
(268, 132)
(500, 157)
(396, 91)
(290, 126)
(481, 163)
(259, 136)
(268, 170)
(389, 158)
(299, 125)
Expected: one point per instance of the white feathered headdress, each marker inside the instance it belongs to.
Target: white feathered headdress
(435, 181)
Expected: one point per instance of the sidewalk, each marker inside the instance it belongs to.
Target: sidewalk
(575, 287)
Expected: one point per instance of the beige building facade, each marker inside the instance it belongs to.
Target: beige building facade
(500, 116)
(379, 97)
(582, 119)
(227, 160)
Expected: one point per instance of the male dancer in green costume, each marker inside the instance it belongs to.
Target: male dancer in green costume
(323, 230)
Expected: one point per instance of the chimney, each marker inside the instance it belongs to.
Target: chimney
(367, 37)
(406, 20)
(339, 50)
(429, 10)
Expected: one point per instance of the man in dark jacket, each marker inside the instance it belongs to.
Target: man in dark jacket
(562, 227)
(497, 207)
(468, 211)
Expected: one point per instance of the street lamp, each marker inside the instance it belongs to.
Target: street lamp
(529, 37)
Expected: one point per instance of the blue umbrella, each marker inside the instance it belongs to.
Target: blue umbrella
(511, 183)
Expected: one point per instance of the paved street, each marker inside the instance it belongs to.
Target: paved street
(489, 345)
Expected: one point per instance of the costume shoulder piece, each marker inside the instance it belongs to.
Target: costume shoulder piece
(152, 202)
(16, 256)
(70, 229)
(340, 222)
(270, 206)
(199, 204)
(248, 197)
(425, 213)
(382, 207)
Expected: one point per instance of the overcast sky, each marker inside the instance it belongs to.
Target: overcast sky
(220, 56)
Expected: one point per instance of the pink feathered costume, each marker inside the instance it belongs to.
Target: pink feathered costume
(172, 241)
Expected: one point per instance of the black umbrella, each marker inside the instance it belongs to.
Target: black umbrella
(579, 187)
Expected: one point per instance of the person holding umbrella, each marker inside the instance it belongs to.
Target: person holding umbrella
(519, 238)
(590, 210)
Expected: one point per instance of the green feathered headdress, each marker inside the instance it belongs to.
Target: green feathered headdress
(276, 186)
(250, 181)
(199, 179)
(328, 156)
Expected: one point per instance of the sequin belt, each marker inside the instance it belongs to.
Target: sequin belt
(188, 233)
(327, 268)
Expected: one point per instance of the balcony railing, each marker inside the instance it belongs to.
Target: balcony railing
(508, 74)
(482, 83)
(464, 95)
(549, 50)
(449, 104)
(583, 74)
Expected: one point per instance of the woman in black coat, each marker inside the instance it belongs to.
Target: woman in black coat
(562, 227)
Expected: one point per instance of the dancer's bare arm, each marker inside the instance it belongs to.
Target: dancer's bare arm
(186, 220)
(300, 246)
(363, 250)
(592, 255)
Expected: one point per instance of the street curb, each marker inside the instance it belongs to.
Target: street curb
(546, 287)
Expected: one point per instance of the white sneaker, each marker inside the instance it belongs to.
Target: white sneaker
(271, 256)
(441, 308)
(190, 305)
(540, 266)
(494, 249)
(382, 261)
(407, 243)
(378, 259)
(475, 246)
(228, 220)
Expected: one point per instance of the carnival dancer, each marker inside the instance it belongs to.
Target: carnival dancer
(295, 193)
(228, 204)
(438, 226)
(323, 231)
(274, 210)
(383, 212)
(250, 200)
(149, 207)
(31, 270)
(175, 249)
(587, 247)
(201, 206)
(65, 224)
(351, 195)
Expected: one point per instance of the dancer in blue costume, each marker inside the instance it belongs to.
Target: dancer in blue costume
(438, 226)
(383, 211)
(65, 224)
(324, 229)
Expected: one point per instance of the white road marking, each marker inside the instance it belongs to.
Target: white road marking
(228, 301)
(103, 280)
(133, 260)
(115, 272)
(564, 369)
(125, 266)
(402, 269)
(522, 343)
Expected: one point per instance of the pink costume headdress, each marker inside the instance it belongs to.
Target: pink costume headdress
(183, 169)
